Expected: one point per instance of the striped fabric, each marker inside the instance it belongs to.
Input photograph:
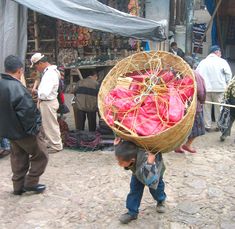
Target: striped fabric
(198, 32)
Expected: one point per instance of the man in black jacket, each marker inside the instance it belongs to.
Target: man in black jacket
(20, 122)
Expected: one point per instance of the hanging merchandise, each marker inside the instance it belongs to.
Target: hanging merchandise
(198, 33)
(133, 8)
(72, 36)
(67, 56)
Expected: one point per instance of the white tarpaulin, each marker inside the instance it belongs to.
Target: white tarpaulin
(13, 30)
(95, 15)
(86, 13)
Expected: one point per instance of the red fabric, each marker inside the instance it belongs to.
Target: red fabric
(62, 97)
(136, 87)
(157, 112)
(185, 87)
(167, 76)
(142, 123)
(109, 117)
(122, 99)
(176, 106)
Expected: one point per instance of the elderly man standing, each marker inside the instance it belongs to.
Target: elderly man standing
(20, 121)
(216, 73)
(47, 100)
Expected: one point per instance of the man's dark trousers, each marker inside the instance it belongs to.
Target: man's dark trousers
(29, 159)
(81, 118)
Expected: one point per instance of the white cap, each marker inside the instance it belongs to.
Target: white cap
(35, 58)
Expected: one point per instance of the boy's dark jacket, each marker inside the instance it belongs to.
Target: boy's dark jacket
(148, 174)
(19, 116)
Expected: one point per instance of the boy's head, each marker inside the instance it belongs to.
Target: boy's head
(126, 153)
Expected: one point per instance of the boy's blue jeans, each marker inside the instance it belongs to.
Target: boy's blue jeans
(136, 192)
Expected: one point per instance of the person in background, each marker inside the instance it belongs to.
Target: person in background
(216, 73)
(20, 122)
(63, 109)
(47, 100)
(229, 97)
(198, 126)
(176, 50)
(36, 83)
(86, 93)
(147, 170)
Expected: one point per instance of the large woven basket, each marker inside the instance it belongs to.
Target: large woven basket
(171, 138)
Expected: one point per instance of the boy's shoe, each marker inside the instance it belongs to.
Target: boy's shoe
(161, 208)
(127, 218)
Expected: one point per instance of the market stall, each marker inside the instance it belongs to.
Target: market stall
(79, 48)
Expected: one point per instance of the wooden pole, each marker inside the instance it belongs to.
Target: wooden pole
(219, 31)
(36, 31)
(209, 23)
(137, 14)
(172, 13)
(189, 26)
(220, 104)
(178, 12)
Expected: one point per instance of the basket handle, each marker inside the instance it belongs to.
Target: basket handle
(125, 128)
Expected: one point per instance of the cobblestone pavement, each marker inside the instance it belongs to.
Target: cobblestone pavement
(88, 190)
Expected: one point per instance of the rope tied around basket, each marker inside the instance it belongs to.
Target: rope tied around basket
(154, 80)
(150, 92)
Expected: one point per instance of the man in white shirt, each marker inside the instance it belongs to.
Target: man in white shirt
(216, 73)
(47, 100)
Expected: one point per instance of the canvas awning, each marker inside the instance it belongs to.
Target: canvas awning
(88, 13)
(95, 15)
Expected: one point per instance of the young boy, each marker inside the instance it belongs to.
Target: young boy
(147, 169)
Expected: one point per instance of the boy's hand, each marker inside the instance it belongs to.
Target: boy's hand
(151, 158)
(116, 141)
(38, 103)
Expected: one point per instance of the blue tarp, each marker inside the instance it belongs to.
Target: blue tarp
(211, 5)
